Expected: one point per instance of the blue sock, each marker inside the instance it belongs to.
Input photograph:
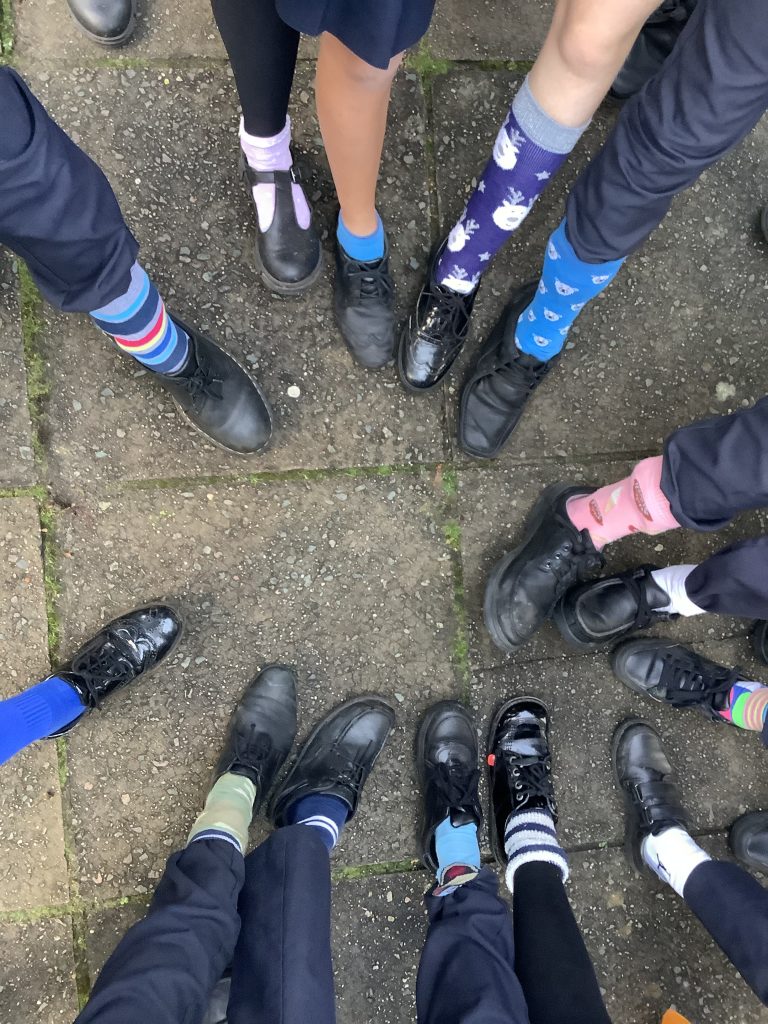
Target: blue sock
(567, 284)
(140, 325)
(36, 713)
(456, 846)
(364, 248)
(327, 814)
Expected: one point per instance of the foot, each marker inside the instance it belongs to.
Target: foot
(674, 674)
(652, 798)
(760, 640)
(519, 766)
(364, 297)
(603, 611)
(126, 649)
(526, 584)
(261, 730)
(337, 757)
(219, 398)
(435, 332)
(447, 763)
(499, 385)
(748, 840)
(289, 257)
(106, 22)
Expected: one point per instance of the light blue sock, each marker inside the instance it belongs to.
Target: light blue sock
(364, 248)
(326, 813)
(36, 713)
(567, 284)
(456, 845)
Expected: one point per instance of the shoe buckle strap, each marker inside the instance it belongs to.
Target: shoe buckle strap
(657, 800)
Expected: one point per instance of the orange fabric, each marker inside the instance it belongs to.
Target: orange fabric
(673, 1017)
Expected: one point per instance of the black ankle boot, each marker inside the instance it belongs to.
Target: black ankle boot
(219, 398)
(748, 840)
(106, 22)
(126, 649)
(364, 299)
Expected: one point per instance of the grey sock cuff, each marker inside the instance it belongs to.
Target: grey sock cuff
(540, 128)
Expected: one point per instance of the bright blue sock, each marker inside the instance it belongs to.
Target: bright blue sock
(328, 814)
(364, 248)
(567, 284)
(456, 845)
(36, 713)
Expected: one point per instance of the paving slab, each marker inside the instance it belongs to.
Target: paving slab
(37, 980)
(489, 29)
(349, 579)
(108, 421)
(32, 866)
(17, 467)
(658, 331)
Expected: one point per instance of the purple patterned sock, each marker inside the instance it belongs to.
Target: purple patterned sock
(529, 150)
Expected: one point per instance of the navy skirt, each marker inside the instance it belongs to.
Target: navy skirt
(374, 30)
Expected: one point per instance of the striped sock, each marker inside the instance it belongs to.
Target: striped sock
(326, 813)
(747, 706)
(140, 325)
(530, 836)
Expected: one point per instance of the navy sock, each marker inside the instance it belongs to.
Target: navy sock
(364, 248)
(328, 814)
(456, 846)
(36, 713)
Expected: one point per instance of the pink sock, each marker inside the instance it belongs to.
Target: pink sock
(273, 154)
(634, 505)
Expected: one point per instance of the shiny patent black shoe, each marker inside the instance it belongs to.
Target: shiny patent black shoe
(653, 45)
(337, 757)
(604, 611)
(519, 766)
(126, 649)
(435, 333)
(748, 840)
(652, 798)
(289, 257)
(447, 764)
(106, 22)
(219, 398)
(364, 300)
(261, 730)
(526, 584)
(499, 384)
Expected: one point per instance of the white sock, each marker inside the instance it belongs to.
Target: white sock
(273, 154)
(672, 855)
(530, 836)
(672, 581)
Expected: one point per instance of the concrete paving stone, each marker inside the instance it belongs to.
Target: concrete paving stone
(17, 467)
(349, 579)
(32, 867)
(37, 978)
(108, 421)
(493, 507)
(489, 29)
(658, 349)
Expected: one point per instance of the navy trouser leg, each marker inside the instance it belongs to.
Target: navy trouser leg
(282, 970)
(466, 974)
(734, 581)
(708, 95)
(733, 907)
(165, 967)
(57, 210)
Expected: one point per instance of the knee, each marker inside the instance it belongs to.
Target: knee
(588, 49)
(365, 77)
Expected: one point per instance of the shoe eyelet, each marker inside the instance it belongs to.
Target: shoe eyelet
(518, 785)
(519, 796)
(515, 772)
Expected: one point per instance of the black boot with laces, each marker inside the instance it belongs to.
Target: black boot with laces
(364, 298)
(126, 649)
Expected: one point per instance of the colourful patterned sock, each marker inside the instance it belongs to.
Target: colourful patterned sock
(529, 150)
(636, 504)
(273, 154)
(458, 852)
(531, 836)
(747, 705)
(326, 813)
(228, 811)
(567, 284)
(140, 325)
(36, 713)
(363, 248)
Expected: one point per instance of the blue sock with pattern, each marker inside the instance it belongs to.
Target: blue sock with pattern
(456, 846)
(567, 284)
(326, 813)
(36, 713)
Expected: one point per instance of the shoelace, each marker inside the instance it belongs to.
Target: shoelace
(201, 384)
(253, 747)
(686, 681)
(94, 667)
(370, 283)
(445, 312)
(457, 784)
(512, 371)
(529, 779)
(347, 771)
(570, 562)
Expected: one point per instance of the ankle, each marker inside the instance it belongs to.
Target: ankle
(530, 837)
(672, 855)
(271, 153)
(456, 846)
(672, 581)
(365, 248)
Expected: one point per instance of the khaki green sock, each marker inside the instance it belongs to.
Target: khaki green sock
(228, 808)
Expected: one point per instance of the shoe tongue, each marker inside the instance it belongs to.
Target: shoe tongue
(523, 737)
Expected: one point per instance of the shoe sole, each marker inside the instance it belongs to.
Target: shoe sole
(120, 40)
(287, 288)
(631, 848)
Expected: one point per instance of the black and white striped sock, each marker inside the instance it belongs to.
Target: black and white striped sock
(531, 836)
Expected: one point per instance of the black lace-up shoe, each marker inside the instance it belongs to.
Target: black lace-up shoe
(499, 384)
(519, 766)
(219, 398)
(604, 611)
(124, 650)
(760, 640)
(364, 297)
(447, 763)
(525, 585)
(652, 798)
(748, 840)
(106, 22)
(289, 257)
(261, 730)
(338, 756)
(675, 675)
(435, 333)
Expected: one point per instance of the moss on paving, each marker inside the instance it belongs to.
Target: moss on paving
(6, 30)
